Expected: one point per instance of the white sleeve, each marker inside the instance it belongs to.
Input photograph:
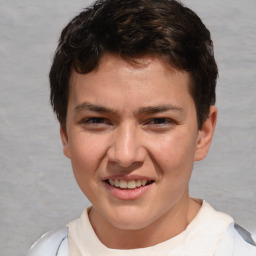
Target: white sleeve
(236, 242)
(54, 243)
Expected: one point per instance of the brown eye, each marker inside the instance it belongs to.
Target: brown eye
(95, 120)
(160, 121)
(96, 123)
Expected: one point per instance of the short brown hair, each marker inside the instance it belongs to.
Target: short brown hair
(132, 29)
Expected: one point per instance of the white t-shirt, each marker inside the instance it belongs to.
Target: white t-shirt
(200, 238)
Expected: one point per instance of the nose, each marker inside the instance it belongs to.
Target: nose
(126, 148)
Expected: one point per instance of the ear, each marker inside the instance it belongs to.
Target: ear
(64, 139)
(205, 135)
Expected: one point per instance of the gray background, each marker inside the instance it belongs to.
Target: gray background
(37, 189)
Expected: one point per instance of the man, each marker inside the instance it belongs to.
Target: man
(133, 87)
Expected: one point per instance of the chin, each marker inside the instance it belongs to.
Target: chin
(130, 225)
(130, 221)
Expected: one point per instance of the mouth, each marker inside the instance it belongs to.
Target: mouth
(128, 185)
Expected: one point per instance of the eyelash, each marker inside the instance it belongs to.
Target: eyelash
(160, 121)
(101, 123)
(99, 120)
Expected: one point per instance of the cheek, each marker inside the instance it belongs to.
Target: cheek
(175, 163)
(174, 150)
(174, 159)
(86, 158)
(86, 154)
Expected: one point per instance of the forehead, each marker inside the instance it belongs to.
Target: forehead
(109, 64)
(149, 78)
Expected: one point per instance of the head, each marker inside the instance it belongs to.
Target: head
(133, 29)
(133, 84)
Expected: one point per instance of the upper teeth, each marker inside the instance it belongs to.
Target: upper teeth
(131, 184)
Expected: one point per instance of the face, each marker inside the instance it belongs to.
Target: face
(132, 138)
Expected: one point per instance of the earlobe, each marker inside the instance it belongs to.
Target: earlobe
(205, 135)
(64, 139)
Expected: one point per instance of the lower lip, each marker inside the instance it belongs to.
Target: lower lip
(127, 194)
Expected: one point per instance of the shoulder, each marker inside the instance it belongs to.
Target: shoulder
(236, 242)
(54, 243)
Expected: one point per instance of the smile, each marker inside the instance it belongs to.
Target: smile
(131, 184)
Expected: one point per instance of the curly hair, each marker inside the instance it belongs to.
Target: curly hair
(131, 29)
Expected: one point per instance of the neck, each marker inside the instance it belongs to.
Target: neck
(172, 223)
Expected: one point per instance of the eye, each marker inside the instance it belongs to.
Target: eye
(160, 121)
(95, 123)
(160, 124)
(94, 120)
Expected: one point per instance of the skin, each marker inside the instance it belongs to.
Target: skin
(129, 121)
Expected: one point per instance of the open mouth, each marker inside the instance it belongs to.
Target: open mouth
(131, 184)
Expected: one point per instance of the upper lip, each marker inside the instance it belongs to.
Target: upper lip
(128, 177)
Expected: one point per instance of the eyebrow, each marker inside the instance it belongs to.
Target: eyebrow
(143, 110)
(92, 107)
(159, 109)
